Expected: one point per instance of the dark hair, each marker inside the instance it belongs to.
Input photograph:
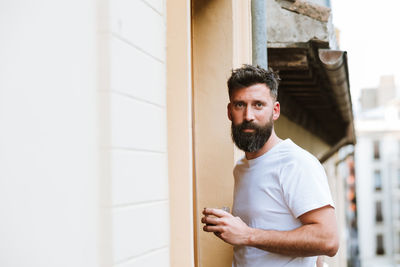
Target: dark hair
(249, 75)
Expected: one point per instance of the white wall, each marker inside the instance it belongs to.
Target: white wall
(83, 173)
(137, 141)
(48, 144)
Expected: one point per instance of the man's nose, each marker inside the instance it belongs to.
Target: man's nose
(249, 114)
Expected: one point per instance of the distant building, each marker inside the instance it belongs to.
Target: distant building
(378, 175)
(376, 97)
(346, 172)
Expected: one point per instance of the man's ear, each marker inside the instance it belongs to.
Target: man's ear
(276, 111)
(228, 109)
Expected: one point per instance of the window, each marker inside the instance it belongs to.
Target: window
(378, 212)
(398, 144)
(378, 180)
(398, 178)
(398, 248)
(398, 209)
(377, 154)
(380, 250)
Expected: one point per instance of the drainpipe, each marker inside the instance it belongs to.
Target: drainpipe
(259, 33)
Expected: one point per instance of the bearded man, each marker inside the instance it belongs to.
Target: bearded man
(283, 213)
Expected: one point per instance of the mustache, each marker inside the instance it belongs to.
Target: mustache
(247, 125)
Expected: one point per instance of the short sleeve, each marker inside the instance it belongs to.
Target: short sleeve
(305, 185)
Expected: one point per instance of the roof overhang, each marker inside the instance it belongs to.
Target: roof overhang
(314, 89)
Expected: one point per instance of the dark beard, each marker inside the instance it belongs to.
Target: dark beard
(253, 141)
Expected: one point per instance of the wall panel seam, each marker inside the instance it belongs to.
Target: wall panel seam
(125, 40)
(119, 207)
(136, 257)
(129, 96)
(153, 8)
(134, 149)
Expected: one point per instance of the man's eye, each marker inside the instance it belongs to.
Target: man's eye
(259, 105)
(239, 105)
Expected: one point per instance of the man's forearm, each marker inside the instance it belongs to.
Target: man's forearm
(317, 235)
(307, 240)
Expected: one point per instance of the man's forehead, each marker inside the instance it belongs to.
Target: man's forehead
(259, 89)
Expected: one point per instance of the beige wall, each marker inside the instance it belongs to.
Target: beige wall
(285, 128)
(212, 60)
(221, 40)
(179, 117)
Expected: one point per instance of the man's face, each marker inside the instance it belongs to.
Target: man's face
(252, 111)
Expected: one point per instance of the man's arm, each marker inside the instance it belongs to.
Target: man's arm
(317, 236)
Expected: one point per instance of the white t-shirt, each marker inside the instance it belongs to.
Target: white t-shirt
(271, 192)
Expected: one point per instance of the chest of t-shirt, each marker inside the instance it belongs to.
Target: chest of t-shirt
(259, 201)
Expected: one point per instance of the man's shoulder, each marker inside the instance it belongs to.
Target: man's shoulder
(293, 153)
(300, 164)
(240, 164)
(241, 161)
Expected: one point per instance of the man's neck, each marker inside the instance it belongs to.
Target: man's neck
(271, 142)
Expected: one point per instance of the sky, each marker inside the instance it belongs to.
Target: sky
(369, 32)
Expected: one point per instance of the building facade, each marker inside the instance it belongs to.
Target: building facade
(378, 175)
(346, 172)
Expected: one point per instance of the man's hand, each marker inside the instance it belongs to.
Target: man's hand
(317, 236)
(227, 227)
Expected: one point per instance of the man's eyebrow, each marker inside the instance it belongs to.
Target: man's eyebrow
(253, 102)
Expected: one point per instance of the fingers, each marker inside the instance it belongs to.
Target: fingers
(213, 218)
(210, 220)
(212, 228)
(216, 212)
